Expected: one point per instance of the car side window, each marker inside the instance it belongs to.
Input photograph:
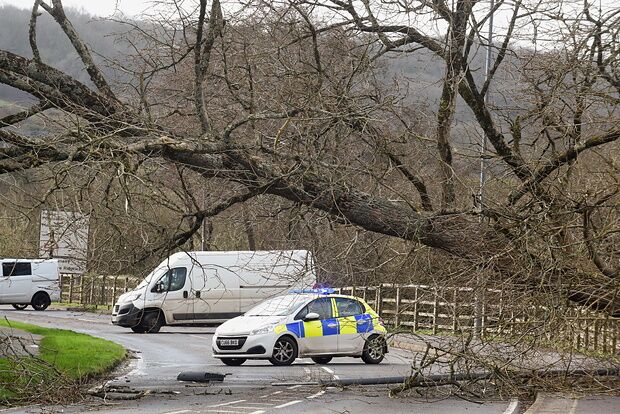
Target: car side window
(348, 307)
(322, 306)
(174, 279)
(16, 269)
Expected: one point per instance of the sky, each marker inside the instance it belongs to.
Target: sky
(101, 8)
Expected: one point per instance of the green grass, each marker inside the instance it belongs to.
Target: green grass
(77, 356)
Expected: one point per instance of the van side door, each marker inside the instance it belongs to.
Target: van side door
(16, 282)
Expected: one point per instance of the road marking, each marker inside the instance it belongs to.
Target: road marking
(257, 412)
(318, 394)
(512, 407)
(179, 412)
(328, 370)
(288, 404)
(573, 409)
(293, 387)
(228, 403)
(225, 411)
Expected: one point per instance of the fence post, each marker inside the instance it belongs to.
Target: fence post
(455, 316)
(71, 289)
(435, 304)
(90, 291)
(378, 299)
(82, 297)
(103, 300)
(60, 281)
(415, 309)
(397, 317)
(364, 292)
(114, 290)
(126, 283)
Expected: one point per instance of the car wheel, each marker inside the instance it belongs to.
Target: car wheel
(284, 351)
(20, 306)
(233, 362)
(322, 360)
(374, 349)
(138, 329)
(40, 301)
(151, 322)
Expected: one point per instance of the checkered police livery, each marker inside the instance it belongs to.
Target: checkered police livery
(311, 323)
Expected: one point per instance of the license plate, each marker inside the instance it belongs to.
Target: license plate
(229, 342)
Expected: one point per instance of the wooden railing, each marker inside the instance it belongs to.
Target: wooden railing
(95, 290)
(455, 309)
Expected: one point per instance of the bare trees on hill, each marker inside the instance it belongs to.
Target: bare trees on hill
(287, 106)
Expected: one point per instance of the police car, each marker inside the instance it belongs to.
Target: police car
(311, 323)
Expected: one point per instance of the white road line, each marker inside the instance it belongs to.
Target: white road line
(328, 370)
(179, 412)
(228, 403)
(224, 411)
(198, 336)
(512, 407)
(294, 386)
(276, 393)
(288, 404)
(318, 394)
(573, 409)
(257, 412)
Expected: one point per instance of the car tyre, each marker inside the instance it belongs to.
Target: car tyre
(374, 349)
(233, 362)
(40, 301)
(20, 306)
(321, 360)
(138, 328)
(284, 351)
(152, 322)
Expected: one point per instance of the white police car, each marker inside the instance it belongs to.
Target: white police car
(313, 323)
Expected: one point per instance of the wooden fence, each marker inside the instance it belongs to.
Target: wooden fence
(456, 309)
(95, 290)
(423, 307)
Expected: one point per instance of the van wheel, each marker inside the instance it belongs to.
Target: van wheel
(138, 329)
(233, 362)
(151, 322)
(20, 306)
(322, 360)
(374, 349)
(284, 351)
(40, 301)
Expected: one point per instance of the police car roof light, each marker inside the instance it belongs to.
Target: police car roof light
(321, 291)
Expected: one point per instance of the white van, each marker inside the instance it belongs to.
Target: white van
(211, 287)
(29, 282)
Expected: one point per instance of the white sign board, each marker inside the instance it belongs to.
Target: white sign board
(64, 236)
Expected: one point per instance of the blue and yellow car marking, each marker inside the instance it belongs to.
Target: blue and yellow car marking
(364, 323)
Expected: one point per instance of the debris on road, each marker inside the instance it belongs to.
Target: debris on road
(200, 376)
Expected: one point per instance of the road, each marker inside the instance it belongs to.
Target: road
(247, 389)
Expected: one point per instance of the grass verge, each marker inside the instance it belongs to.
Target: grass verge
(65, 359)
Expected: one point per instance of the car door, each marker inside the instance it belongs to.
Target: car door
(354, 324)
(319, 336)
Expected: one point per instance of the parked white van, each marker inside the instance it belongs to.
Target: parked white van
(211, 287)
(29, 282)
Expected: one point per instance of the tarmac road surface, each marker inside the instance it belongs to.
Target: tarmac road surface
(247, 389)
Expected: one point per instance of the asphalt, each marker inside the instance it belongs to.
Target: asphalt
(147, 384)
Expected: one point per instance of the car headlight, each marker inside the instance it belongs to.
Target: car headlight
(263, 330)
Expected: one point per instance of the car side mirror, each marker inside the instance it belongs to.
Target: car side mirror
(312, 316)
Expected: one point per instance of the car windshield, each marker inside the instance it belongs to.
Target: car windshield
(280, 306)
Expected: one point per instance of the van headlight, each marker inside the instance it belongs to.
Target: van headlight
(263, 330)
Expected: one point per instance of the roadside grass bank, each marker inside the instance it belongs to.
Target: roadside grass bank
(66, 360)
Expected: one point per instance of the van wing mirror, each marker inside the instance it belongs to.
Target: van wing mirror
(312, 316)
(159, 287)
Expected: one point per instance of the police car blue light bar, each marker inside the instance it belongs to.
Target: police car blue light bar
(321, 291)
